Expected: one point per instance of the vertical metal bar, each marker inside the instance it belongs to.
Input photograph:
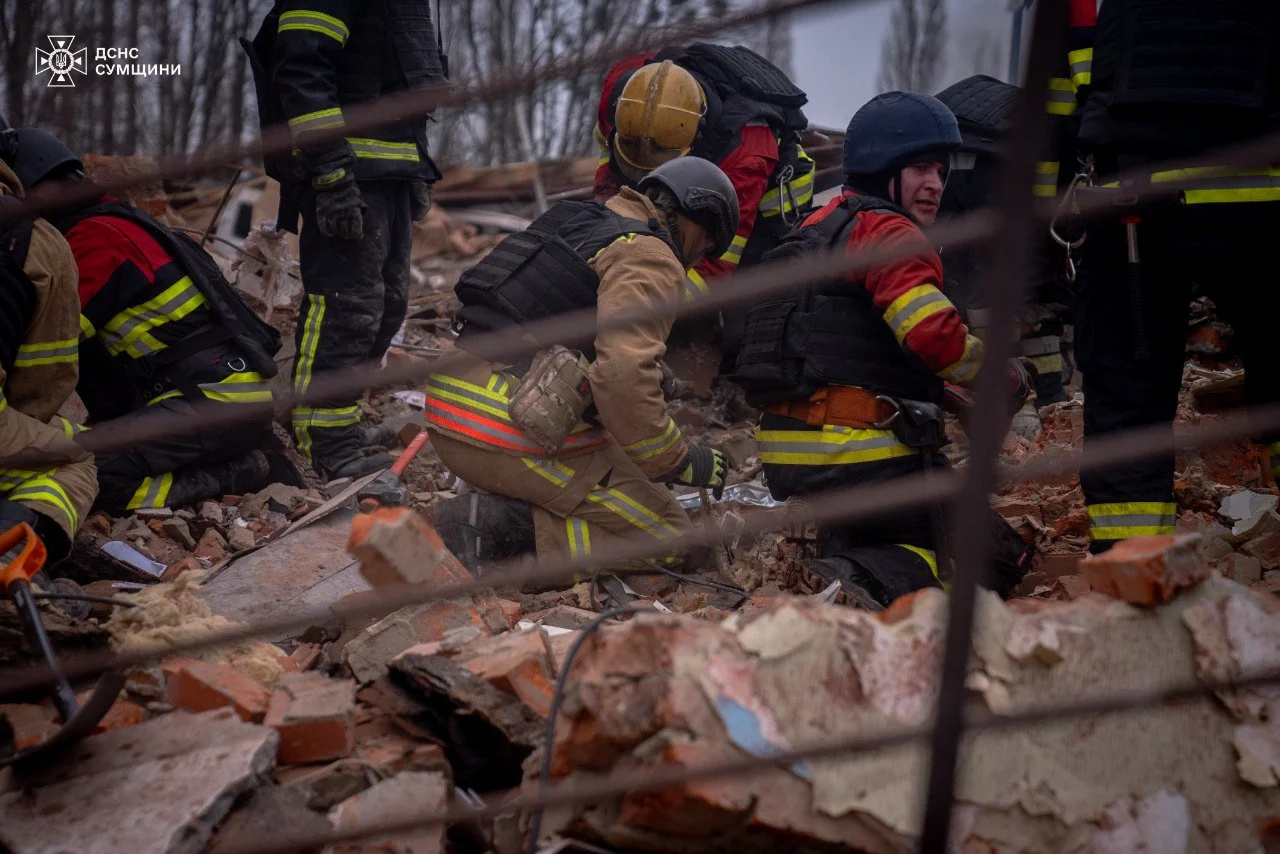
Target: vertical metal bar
(972, 527)
(222, 205)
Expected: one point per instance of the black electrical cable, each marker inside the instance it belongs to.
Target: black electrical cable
(535, 823)
(727, 588)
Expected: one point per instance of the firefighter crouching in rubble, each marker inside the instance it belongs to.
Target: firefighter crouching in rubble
(160, 330)
(358, 194)
(728, 105)
(1162, 91)
(851, 374)
(46, 479)
(557, 482)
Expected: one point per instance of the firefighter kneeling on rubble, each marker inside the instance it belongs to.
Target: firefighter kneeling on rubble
(851, 374)
(46, 480)
(568, 446)
(160, 330)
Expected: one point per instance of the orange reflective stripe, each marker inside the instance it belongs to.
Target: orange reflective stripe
(492, 432)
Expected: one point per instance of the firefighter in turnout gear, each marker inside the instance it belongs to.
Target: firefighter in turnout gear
(1160, 90)
(725, 104)
(46, 479)
(160, 330)
(984, 109)
(359, 195)
(851, 374)
(593, 472)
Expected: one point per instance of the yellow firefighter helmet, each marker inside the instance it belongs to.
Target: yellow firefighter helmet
(657, 115)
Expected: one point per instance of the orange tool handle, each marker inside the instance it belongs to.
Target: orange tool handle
(29, 561)
(406, 457)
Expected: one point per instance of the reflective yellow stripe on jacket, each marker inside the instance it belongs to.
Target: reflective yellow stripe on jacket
(314, 22)
(1121, 520)
(130, 330)
(242, 387)
(794, 193)
(832, 445)
(47, 353)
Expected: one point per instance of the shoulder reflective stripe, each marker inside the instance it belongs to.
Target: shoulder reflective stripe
(86, 328)
(1061, 99)
(928, 555)
(378, 149)
(319, 120)
(45, 488)
(1046, 181)
(579, 536)
(625, 238)
(906, 312)
(152, 492)
(966, 367)
(694, 285)
(129, 331)
(315, 22)
(656, 446)
(310, 341)
(1081, 62)
(47, 353)
(829, 446)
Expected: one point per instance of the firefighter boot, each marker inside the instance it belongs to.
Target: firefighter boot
(816, 575)
(242, 474)
(376, 435)
(483, 528)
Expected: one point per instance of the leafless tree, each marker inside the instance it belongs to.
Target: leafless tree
(912, 55)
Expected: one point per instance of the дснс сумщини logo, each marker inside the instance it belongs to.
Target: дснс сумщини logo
(60, 60)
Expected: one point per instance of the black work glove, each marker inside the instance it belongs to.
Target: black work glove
(704, 467)
(339, 207)
(419, 200)
(55, 540)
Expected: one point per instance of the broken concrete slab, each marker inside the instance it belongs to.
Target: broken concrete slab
(160, 786)
(669, 691)
(272, 812)
(399, 798)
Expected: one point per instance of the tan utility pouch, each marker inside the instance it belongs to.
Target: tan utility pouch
(550, 399)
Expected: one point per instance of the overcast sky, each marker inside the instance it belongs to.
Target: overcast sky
(836, 52)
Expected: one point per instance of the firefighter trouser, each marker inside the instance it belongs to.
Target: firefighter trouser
(173, 471)
(1222, 247)
(582, 504)
(899, 549)
(356, 292)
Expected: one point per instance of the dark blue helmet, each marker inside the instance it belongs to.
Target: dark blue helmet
(898, 128)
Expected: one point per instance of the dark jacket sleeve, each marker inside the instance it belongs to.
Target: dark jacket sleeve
(310, 40)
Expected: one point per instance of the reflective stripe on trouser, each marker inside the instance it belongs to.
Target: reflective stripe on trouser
(240, 387)
(25, 485)
(582, 503)
(1123, 519)
(356, 294)
(174, 471)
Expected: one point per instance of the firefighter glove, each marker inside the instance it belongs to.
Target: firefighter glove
(957, 400)
(1022, 381)
(706, 467)
(339, 207)
(419, 200)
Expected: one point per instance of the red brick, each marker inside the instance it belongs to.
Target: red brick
(184, 565)
(99, 522)
(198, 687)
(1147, 570)
(212, 547)
(511, 610)
(395, 545)
(315, 717)
(121, 714)
(31, 724)
(515, 663)
(302, 659)
(1266, 549)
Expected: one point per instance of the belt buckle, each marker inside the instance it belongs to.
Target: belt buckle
(884, 423)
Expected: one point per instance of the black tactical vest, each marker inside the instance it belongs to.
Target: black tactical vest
(832, 334)
(233, 324)
(1175, 77)
(543, 271)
